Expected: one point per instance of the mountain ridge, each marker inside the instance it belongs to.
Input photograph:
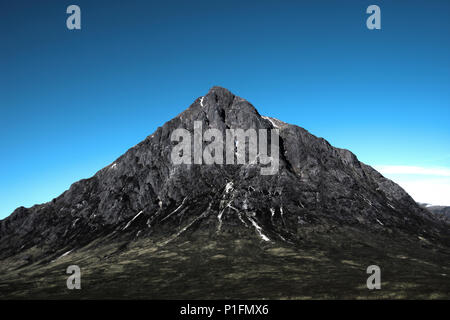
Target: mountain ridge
(320, 194)
(212, 112)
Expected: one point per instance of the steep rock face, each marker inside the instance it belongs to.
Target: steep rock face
(318, 187)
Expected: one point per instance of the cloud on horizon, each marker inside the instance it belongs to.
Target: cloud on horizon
(424, 184)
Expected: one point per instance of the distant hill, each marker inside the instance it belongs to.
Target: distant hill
(442, 212)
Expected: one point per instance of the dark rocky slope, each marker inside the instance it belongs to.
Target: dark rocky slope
(322, 201)
(441, 212)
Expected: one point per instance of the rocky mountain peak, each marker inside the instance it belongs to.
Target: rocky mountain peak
(207, 225)
(144, 193)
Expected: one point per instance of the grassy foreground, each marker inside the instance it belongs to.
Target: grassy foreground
(227, 268)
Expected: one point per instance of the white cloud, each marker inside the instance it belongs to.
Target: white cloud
(428, 185)
(443, 172)
(433, 191)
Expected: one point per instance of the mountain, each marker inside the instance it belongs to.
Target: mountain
(144, 227)
(442, 212)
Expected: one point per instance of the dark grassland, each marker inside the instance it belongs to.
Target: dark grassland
(230, 267)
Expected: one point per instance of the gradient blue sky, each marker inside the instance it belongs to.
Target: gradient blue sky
(73, 101)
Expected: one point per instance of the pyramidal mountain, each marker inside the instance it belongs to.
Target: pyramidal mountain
(144, 227)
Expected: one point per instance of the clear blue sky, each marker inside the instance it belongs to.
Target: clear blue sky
(73, 101)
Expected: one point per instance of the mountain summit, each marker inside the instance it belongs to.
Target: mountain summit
(152, 223)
